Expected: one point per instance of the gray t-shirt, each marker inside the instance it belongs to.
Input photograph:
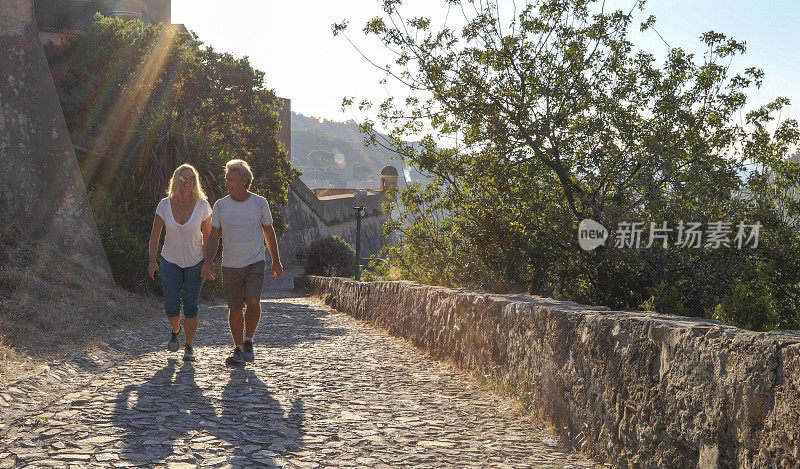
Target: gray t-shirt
(242, 235)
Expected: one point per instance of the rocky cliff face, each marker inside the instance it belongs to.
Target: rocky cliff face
(41, 191)
(638, 389)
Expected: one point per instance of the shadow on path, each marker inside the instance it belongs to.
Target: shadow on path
(158, 415)
(283, 324)
(170, 407)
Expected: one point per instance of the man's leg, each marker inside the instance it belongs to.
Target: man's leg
(252, 299)
(236, 322)
(233, 283)
(252, 315)
(254, 283)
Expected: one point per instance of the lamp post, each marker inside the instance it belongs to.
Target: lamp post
(359, 204)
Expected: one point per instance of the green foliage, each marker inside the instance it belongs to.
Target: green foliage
(126, 249)
(332, 257)
(140, 100)
(556, 117)
(749, 305)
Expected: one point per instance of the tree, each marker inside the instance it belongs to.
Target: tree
(556, 118)
(139, 100)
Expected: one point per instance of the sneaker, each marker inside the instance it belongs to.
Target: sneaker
(173, 344)
(247, 351)
(188, 353)
(237, 358)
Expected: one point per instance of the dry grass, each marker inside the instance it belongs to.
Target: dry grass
(50, 307)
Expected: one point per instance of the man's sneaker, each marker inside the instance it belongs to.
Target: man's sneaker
(188, 353)
(173, 345)
(237, 358)
(247, 351)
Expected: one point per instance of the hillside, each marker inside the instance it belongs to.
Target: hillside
(332, 154)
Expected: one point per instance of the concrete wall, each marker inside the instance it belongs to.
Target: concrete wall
(310, 218)
(41, 190)
(635, 389)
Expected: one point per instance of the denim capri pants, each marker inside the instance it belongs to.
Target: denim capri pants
(181, 283)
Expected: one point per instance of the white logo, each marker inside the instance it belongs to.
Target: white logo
(591, 234)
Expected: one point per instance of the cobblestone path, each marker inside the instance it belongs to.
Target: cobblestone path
(325, 391)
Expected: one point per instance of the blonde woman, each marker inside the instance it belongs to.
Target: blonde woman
(186, 215)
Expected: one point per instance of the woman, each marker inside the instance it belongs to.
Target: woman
(186, 215)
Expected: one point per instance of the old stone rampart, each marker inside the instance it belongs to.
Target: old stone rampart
(311, 217)
(41, 190)
(637, 389)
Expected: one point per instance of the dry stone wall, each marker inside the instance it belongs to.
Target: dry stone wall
(637, 389)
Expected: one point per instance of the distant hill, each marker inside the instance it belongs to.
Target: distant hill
(351, 165)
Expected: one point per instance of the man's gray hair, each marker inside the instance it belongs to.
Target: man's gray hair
(242, 167)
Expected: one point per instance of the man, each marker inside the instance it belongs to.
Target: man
(245, 221)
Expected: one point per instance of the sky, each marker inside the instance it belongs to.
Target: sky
(292, 42)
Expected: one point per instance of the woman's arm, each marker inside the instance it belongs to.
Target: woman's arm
(210, 247)
(155, 236)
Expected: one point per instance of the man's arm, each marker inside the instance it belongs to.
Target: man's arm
(212, 246)
(272, 246)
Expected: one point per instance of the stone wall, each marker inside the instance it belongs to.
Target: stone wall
(310, 218)
(635, 389)
(41, 189)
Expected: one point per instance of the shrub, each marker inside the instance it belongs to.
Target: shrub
(331, 257)
(126, 248)
(749, 305)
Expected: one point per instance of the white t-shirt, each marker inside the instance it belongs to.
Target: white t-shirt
(183, 244)
(242, 235)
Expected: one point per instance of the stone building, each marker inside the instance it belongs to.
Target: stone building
(389, 177)
(57, 19)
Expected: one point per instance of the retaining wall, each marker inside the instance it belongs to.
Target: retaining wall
(635, 389)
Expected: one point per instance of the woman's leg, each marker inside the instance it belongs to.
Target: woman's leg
(172, 284)
(192, 286)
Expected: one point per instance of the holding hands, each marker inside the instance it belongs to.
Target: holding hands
(208, 271)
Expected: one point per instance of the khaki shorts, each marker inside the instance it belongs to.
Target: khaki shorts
(241, 282)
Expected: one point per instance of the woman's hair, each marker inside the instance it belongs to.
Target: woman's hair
(174, 183)
(242, 167)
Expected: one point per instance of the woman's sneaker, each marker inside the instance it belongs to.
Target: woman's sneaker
(173, 345)
(188, 353)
